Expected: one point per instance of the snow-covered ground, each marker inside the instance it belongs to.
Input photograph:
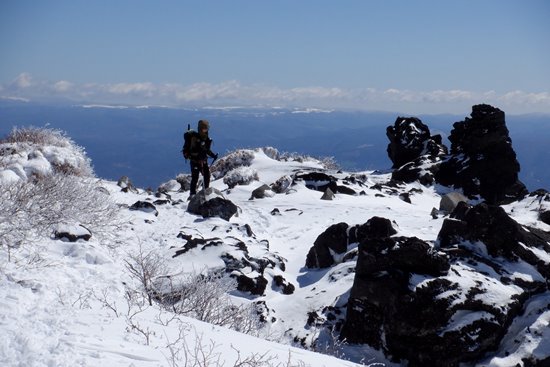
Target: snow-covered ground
(72, 303)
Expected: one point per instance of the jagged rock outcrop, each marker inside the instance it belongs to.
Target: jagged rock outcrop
(378, 304)
(448, 306)
(336, 239)
(413, 150)
(211, 203)
(501, 236)
(482, 160)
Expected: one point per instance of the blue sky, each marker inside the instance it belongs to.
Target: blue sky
(405, 56)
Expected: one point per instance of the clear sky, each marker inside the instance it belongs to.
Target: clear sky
(425, 56)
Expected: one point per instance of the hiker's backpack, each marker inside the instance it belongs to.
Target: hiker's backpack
(187, 140)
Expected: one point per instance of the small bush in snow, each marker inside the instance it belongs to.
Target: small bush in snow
(34, 208)
(328, 163)
(271, 152)
(41, 151)
(240, 176)
(206, 298)
(236, 159)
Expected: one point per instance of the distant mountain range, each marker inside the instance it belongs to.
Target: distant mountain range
(144, 142)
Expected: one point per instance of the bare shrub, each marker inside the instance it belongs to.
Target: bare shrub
(145, 267)
(39, 136)
(328, 163)
(30, 209)
(271, 152)
(204, 353)
(206, 297)
(235, 159)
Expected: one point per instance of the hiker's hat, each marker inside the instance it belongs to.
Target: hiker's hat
(203, 124)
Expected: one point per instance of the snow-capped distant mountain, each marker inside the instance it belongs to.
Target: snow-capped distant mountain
(110, 299)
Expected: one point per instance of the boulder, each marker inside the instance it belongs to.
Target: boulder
(545, 216)
(482, 160)
(172, 185)
(211, 203)
(184, 181)
(328, 195)
(319, 181)
(282, 185)
(449, 201)
(72, 232)
(145, 206)
(334, 239)
(255, 286)
(285, 286)
(261, 192)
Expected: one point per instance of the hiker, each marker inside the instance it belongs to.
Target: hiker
(196, 148)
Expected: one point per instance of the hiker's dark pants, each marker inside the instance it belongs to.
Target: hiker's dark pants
(199, 167)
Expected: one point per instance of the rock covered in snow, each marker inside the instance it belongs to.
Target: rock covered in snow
(172, 185)
(282, 185)
(450, 306)
(145, 206)
(211, 203)
(261, 192)
(246, 260)
(414, 152)
(410, 139)
(72, 232)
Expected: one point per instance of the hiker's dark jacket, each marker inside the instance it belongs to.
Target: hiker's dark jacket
(198, 148)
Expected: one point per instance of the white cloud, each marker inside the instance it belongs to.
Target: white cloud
(233, 92)
(146, 89)
(520, 97)
(62, 86)
(24, 80)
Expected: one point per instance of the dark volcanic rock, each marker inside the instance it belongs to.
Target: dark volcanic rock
(335, 238)
(144, 206)
(413, 151)
(446, 307)
(211, 203)
(262, 192)
(411, 139)
(255, 286)
(482, 160)
(318, 181)
(72, 233)
(501, 235)
(381, 287)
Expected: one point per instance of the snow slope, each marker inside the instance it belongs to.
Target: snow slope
(67, 304)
